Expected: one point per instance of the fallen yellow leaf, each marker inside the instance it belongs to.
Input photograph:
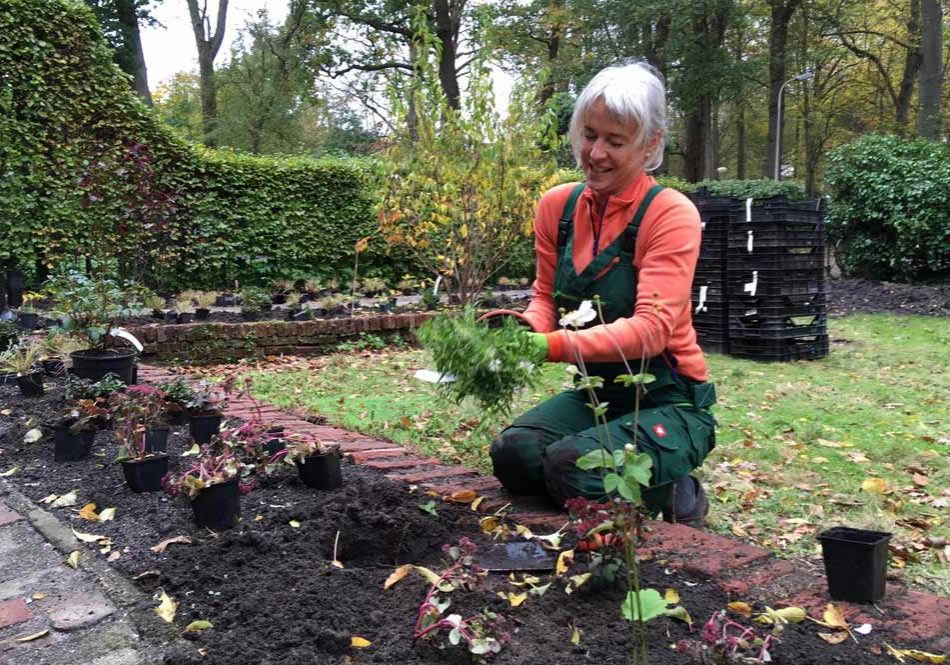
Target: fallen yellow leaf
(34, 636)
(462, 496)
(294, 523)
(873, 485)
(834, 618)
(671, 596)
(515, 599)
(564, 561)
(834, 638)
(166, 607)
(740, 608)
(39, 595)
(488, 524)
(197, 626)
(914, 654)
(87, 537)
(107, 514)
(477, 502)
(88, 512)
(359, 642)
(73, 559)
(397, 575)
(575, 635)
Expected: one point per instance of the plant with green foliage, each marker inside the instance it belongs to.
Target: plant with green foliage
(485, 364)
(91, 307)
(253, 298)
(21, 359)
(459, 186)
(889, 217)
(743, 189)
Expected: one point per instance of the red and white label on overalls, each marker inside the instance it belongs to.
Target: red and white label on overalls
(659, 430)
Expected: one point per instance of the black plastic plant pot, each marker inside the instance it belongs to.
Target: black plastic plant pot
(177, 418)
(278, 298)
(69, 447)
(250, 315)
(204, 426)
(301, 315)
(53, 366)
(186, 317)
(29, 320)
(158, 314)
(275, 441)
(145, 475)
(218, 506)
(202, 314)
(31, 385)
(93, 364)
(855, 563)
(156, 440)
(321, 472)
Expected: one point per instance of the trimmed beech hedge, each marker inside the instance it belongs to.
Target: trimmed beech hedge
(890, 213)
(90, 177)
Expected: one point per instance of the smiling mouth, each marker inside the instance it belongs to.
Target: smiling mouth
(594, 169)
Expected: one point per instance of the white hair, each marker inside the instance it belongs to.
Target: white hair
(633, 93)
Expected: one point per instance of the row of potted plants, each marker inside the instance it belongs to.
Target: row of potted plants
(225, 460)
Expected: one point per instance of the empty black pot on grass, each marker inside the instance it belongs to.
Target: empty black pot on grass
(321, 472)
(31, 385)
(145, 475)
(69, 447)
(855, 563)
(218, 506)
(203, 426)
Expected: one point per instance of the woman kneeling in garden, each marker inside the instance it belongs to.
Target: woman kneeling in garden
(623, 241)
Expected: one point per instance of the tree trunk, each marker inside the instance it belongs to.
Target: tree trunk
(132, 60)
(554, 46)
(782, 12)
(931, 74)
(447, 17)
(697, 140)
(208, 44)
(905, 91)
(740, 141)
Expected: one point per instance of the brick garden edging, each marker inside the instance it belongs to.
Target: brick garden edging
(742, 571)
(220, 341)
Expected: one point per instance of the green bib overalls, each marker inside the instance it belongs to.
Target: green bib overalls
(537, 453)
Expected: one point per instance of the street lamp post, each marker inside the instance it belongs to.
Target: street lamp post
(804, 76)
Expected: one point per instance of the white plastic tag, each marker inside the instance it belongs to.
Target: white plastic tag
(749, 241)
(748, 209)
(129, 337)
(701, 307)
(751, 286)
(432, 376)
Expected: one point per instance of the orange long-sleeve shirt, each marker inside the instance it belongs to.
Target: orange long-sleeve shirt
(665, 259)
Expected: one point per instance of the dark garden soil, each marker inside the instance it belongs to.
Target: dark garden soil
(857, 296)
(273, 596)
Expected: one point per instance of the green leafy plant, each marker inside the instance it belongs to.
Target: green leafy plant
(254, 298)
(208, 397)
(83, 415)
(135, 411)
(78, 389)
(205, 299)
(91, 307)
(21, 359)
(485, 364)
(216, 463)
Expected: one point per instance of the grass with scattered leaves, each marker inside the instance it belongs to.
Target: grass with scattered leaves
(861, 437)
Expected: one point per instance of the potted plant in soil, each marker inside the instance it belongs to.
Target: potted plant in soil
(75, 430)
(205, 409)
(254, 300)
(143, 441)
(138, 416)
(22, 360)
(156, 303)
(406, 286)
(213, 484)
(27, 315)
(185, 306)
(204, 301)
(90, 309)
(281, 287)
(294, 311)
(373, 286)
(176, 393)
(311, 289)
(317, 463)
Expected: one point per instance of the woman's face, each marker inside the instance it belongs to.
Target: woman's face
(610, 157)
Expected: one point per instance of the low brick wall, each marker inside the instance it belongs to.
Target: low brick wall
(213, 342)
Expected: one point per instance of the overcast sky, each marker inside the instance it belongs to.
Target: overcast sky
(172, 48)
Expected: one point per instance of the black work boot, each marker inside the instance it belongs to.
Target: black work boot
(687, 504)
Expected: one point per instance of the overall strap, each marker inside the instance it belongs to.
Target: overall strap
(566, 222)
(630, 235)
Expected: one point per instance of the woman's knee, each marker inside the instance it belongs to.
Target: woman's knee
(563, 479)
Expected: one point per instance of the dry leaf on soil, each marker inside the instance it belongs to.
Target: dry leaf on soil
(359, 642)
(34, 636)
(73, 559)
(198, 626)
(564, 561)
(88, 512)
(33, 435)
(575, 635)
(740, 608)
(87, 537)
(920, 656)
(462, 496)
(107, 514)
(184, 540)
(166, 607)
(834, 638)
(397, 575)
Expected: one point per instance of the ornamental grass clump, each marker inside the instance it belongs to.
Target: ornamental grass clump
(486, 364)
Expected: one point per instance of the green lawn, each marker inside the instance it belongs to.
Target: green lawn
(796, 442)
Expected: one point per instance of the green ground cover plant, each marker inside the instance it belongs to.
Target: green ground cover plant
(860, 437)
